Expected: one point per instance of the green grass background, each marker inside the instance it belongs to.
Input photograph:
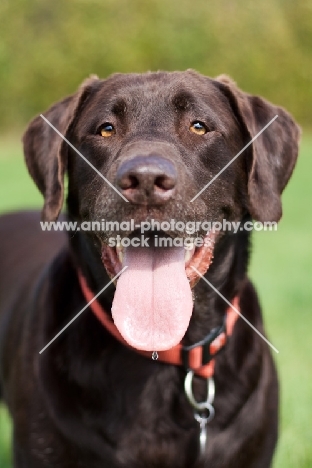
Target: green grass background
(281, 268)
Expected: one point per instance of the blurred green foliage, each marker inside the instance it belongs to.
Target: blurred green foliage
(48, 47)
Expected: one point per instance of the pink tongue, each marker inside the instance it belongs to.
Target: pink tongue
(153, 300)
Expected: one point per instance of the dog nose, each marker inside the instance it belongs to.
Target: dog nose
(147, 180)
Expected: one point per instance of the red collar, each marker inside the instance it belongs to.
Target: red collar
(198, 357)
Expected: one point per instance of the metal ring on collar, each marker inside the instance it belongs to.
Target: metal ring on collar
(188, 388)
(204, 420)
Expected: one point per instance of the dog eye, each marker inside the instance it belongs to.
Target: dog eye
(107, 130)
(198, 127)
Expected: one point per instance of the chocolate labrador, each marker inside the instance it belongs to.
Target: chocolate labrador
(163, 368)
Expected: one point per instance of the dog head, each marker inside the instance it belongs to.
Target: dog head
(141, 148)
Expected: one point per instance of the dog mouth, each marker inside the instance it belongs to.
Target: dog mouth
(153, 301)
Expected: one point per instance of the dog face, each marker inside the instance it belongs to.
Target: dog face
(169, 134)
(158, 139)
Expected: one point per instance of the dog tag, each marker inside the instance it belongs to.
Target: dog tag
(203, 432)
(203, 407)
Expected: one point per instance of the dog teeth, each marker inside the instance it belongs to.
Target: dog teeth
(189, 254)
(119, 251)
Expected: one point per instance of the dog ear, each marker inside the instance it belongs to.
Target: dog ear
(46, 152)
(273, 153)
